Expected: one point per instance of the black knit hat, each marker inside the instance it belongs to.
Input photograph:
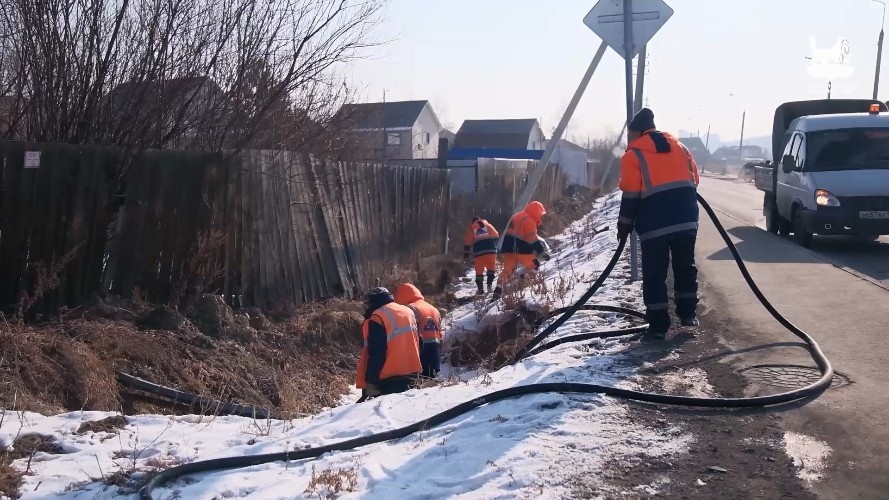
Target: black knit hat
(644, 120)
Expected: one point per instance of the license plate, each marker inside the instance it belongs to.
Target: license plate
(874, 214)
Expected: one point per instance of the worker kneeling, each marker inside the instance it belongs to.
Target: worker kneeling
(481, 239)
(659, 181)
(429, 325)
(521, 244)
(390, 359)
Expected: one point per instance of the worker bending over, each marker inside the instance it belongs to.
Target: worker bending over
(481, 239)
(521, 244)
(429, 325)
(659, 181)
(390, 359)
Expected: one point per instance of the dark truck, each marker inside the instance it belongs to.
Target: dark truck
(830, 169)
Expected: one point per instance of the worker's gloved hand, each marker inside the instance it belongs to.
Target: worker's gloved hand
(623, 230)
(372, 391)
(536, 264)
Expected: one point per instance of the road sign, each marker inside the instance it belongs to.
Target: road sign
(606, 19)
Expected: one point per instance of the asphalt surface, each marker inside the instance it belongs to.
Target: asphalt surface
(817, 290)
(742, 201)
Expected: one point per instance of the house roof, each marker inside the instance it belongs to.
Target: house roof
(376, 115)
(693, 143)
(502, 134)
(517, 126)
(171, 89)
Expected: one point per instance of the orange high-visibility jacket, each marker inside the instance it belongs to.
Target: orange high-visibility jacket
(521, 234)
(402, 350)
(428, 317)
(659, 179)
(481, 238)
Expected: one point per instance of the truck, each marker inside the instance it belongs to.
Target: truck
(829, 173)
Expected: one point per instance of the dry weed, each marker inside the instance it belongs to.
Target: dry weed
(331, 482)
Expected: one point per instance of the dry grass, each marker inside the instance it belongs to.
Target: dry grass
(109, 424)
(330, 483)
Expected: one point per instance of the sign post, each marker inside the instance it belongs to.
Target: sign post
(626, 26)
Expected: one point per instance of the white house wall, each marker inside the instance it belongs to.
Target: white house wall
(427, 122)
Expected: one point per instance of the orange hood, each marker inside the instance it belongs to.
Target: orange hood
(536, 210)
(407, 293)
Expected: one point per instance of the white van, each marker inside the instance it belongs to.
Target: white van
(833, 177)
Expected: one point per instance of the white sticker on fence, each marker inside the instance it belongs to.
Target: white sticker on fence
(32, 159)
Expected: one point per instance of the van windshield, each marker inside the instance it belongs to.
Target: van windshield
(848, 149)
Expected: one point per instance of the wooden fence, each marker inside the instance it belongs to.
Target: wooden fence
(276, 225)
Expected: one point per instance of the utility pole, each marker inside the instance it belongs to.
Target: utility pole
(707, 147)
(879, 50)
(741, 145)
(628, 71)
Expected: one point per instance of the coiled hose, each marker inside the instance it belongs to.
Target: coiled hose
(564, 387)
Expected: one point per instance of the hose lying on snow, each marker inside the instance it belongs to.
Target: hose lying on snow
(512, 392)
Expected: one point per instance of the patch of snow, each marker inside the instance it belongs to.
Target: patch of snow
(690, 382)
(518, 447)
(809, 455)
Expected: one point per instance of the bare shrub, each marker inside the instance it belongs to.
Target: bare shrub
(329, 483)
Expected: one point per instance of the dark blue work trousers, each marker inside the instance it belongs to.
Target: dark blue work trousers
(656, 255)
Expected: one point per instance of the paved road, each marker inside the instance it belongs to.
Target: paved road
(847, 315)
(741, 200)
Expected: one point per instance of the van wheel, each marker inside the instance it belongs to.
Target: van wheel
(773, 219)
(784, 229)
(802, 237)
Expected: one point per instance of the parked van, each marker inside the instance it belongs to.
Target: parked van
(832, 174)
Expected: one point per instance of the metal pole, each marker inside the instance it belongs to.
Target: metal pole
(628, 70)
(539, 170)
(640, 80)
(707, 147)
(741, 145)
(879, 59)
(879, 50)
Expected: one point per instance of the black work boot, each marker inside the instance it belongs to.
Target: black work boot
(480, 283)
(490, 280)
(658, 324)
(692, 321)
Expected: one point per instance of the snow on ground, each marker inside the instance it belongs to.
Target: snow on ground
(526, 447)
(809, 455)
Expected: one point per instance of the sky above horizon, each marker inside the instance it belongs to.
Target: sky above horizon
(709, 63)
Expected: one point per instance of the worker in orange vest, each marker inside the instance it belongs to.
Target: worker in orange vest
(390, 359)
(428, 324)
(521, 244)
(481, 239)
(659, 180)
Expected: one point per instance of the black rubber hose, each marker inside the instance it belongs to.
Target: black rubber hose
(758, 401)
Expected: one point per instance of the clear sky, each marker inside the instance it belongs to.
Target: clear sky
(524, 59)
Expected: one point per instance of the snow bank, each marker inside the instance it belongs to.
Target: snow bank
(530, 446)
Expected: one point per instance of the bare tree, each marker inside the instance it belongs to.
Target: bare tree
(179, 73)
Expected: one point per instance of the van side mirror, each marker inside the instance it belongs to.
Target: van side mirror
(788, 164)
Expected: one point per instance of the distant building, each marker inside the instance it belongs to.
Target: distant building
(405, 130)
(698, 149)
(500, 134)
(187, 109)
